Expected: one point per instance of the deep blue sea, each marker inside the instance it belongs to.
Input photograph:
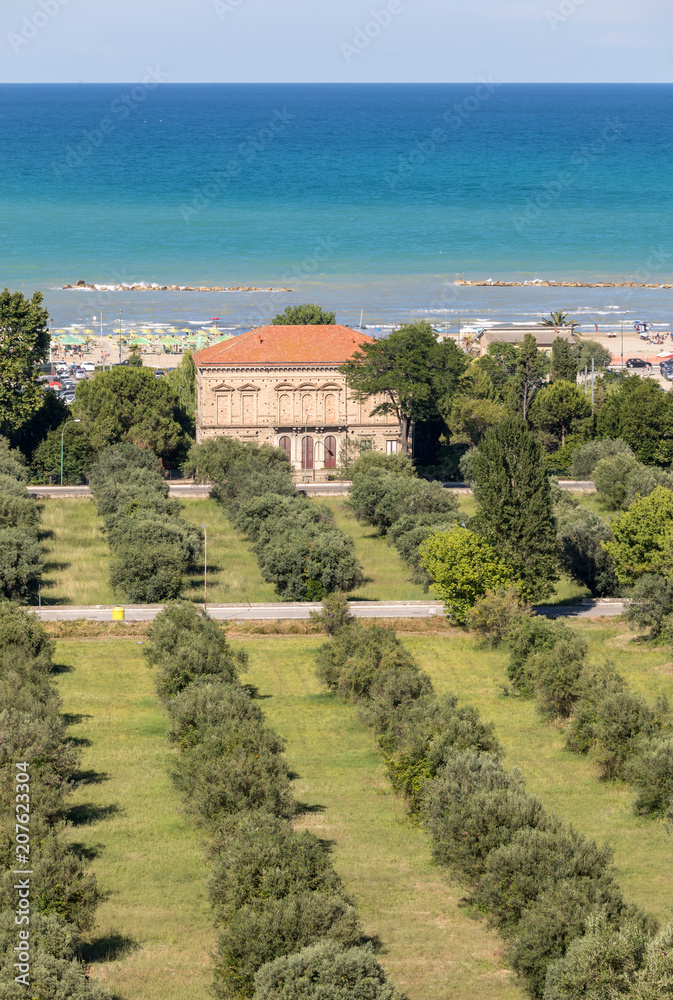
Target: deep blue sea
(372, 197)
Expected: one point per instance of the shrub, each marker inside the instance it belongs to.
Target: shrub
(21, 564)
(547, 927)
(186, 645)
(325, 971)
(263, 858)
(602, 963)
(422, 736)
(610, 476)
(528, 635)
(580, 535)
(462, 567)
(12, 462)
(380, 498)
(335, 613)
(309, 564)
(150, 556)
(586, 458)
(596, 682)
(474, 806)
(532, 863)
(651, 770)
(650, 602)
(409, 532)
(398, 464)
(556, 674)
(360, 657)
(622, 721)
(203, 707)
(237, 765)
(120, 463)
(21, 631)
(40, 739)
(497, 614)
(654, 980)
(255, 935)
(58, 979)
(59, 883)
(147, 490)
(17, 507)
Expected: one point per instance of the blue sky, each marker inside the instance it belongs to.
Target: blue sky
(337, 40)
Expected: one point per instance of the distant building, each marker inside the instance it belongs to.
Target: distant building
(544, 336)
(280, 385)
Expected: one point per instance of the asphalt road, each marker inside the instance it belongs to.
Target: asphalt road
(198, 490)
(281, 611)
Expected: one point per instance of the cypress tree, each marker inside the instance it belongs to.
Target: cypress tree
(515, 511)
(563, 364)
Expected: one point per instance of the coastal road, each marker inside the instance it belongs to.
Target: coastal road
(196, 491)
(281, 611)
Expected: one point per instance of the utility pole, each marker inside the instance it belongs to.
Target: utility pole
(205, 569)
(593, 378)
(120, 336)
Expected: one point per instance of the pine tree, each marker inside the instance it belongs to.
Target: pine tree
(563, 364)
(515, 507)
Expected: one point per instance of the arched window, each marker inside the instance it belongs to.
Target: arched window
(307, 408)
(286, 445)
(285, 408)
(307, 453)
(330, 409)
(330, 452)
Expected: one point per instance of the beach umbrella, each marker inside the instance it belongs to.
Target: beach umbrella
(71, 340)
(139, 340)
(186, 329)
(226, 336)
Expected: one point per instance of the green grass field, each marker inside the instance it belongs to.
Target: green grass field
(154, 932)
(150, 861)
(78, 557)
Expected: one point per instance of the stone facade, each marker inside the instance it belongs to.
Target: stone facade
(281, 386)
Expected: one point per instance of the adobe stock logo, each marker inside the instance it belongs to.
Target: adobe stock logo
(32, 26)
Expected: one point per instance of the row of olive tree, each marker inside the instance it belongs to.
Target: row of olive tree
(299, 548)
(387, 494)
(153, 547)
(21, 558)
(287, 925)
(551, 892)
(627, 738)
(38, 767)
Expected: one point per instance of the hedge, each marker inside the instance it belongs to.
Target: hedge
(298, 546)
(63, 893)
(21, 556)
(153, 547)
(274, 890)
(538, 881)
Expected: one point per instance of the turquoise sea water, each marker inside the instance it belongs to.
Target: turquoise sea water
(373, 197)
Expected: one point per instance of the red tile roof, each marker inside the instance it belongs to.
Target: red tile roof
(285, 345)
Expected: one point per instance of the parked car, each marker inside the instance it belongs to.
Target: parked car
(67, 397)
(638, 363)
(79, 374)
(159, 373)
(88, 366)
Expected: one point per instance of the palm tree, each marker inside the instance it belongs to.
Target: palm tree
(559, 318)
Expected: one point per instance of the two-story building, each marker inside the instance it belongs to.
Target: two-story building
(281, 385)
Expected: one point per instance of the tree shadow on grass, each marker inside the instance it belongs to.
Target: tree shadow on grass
(74, 718)
(88, 812)
(108, 948)
(90, 777)
(306, 808)
(61, 668)
(87, 852)
(253, 691)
